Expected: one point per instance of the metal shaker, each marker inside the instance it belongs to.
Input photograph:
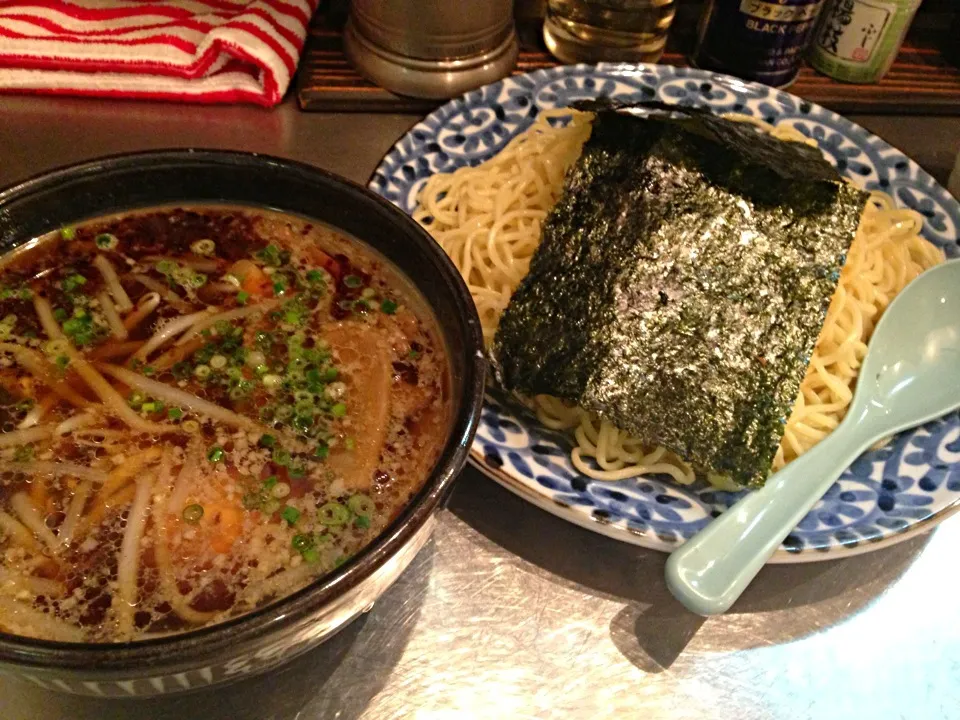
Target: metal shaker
(431, 48)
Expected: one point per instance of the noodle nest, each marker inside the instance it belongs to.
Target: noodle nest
(488, 219)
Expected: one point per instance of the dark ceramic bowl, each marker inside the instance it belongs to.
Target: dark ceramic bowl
(276, 633)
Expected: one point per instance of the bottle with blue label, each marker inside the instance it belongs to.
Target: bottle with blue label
(761, 40)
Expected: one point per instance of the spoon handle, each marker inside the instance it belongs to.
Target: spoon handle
(709, 571)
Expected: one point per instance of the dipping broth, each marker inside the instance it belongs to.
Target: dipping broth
(202, 410)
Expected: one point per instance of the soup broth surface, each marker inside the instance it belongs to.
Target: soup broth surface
(202, 409)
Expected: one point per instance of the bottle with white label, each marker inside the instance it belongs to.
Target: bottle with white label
(858, 40)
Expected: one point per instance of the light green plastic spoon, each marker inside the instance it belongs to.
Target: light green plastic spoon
(911, 375)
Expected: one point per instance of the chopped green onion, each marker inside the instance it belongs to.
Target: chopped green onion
(23, 453)
(216, 454)
(350, 443)
(301, 542)
(314, 277)
(414, 353)
(322, 452)
(191, 426)
(254, 358)
(302, 423)
(174, 413)
(280, 490)
(272, 382)
(352, 281)
(62, 361)
(388, 306)
(264, 340)
(166, 267)
(297, 471)
(149, 370)
(333, 513)
(52, 347)
(68, 233)
(339, 410)
(271, 255)
(270, 506)
(202, 371)
(81, 329)
(269, 482)
(267, 441)
(203, 247)
(361, 505)
(278, 288)
(218, 362)
(198, 280)
(362, 521)
(281, 457)
(193, 513)
(106, 241)
(242, 297)
(311, 555)
(72, 282)
(60, 315)
(7, 325)
(136, 399)
(22, 293)
(330, 374)
(290, 514)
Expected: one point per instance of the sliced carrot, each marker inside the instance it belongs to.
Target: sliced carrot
(226, 523)
(318, 257)
(217, 530)
(253, 280)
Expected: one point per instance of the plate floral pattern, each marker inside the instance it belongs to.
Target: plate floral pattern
(903, 488)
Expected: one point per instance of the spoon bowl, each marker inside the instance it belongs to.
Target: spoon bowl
(912, 370)
(911, 375)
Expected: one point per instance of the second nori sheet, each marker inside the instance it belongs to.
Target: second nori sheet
(681, 284)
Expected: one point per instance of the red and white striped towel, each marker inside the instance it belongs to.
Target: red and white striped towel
(190, 50)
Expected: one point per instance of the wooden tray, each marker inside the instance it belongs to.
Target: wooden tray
(921, 81)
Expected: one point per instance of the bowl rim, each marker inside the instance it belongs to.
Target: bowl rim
(182, 649)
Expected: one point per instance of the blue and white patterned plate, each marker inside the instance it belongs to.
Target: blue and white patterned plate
(887, 495)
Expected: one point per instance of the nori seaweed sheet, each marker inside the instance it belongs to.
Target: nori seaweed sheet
(681, 283)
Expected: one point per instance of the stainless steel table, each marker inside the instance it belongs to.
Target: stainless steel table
(512, 613)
